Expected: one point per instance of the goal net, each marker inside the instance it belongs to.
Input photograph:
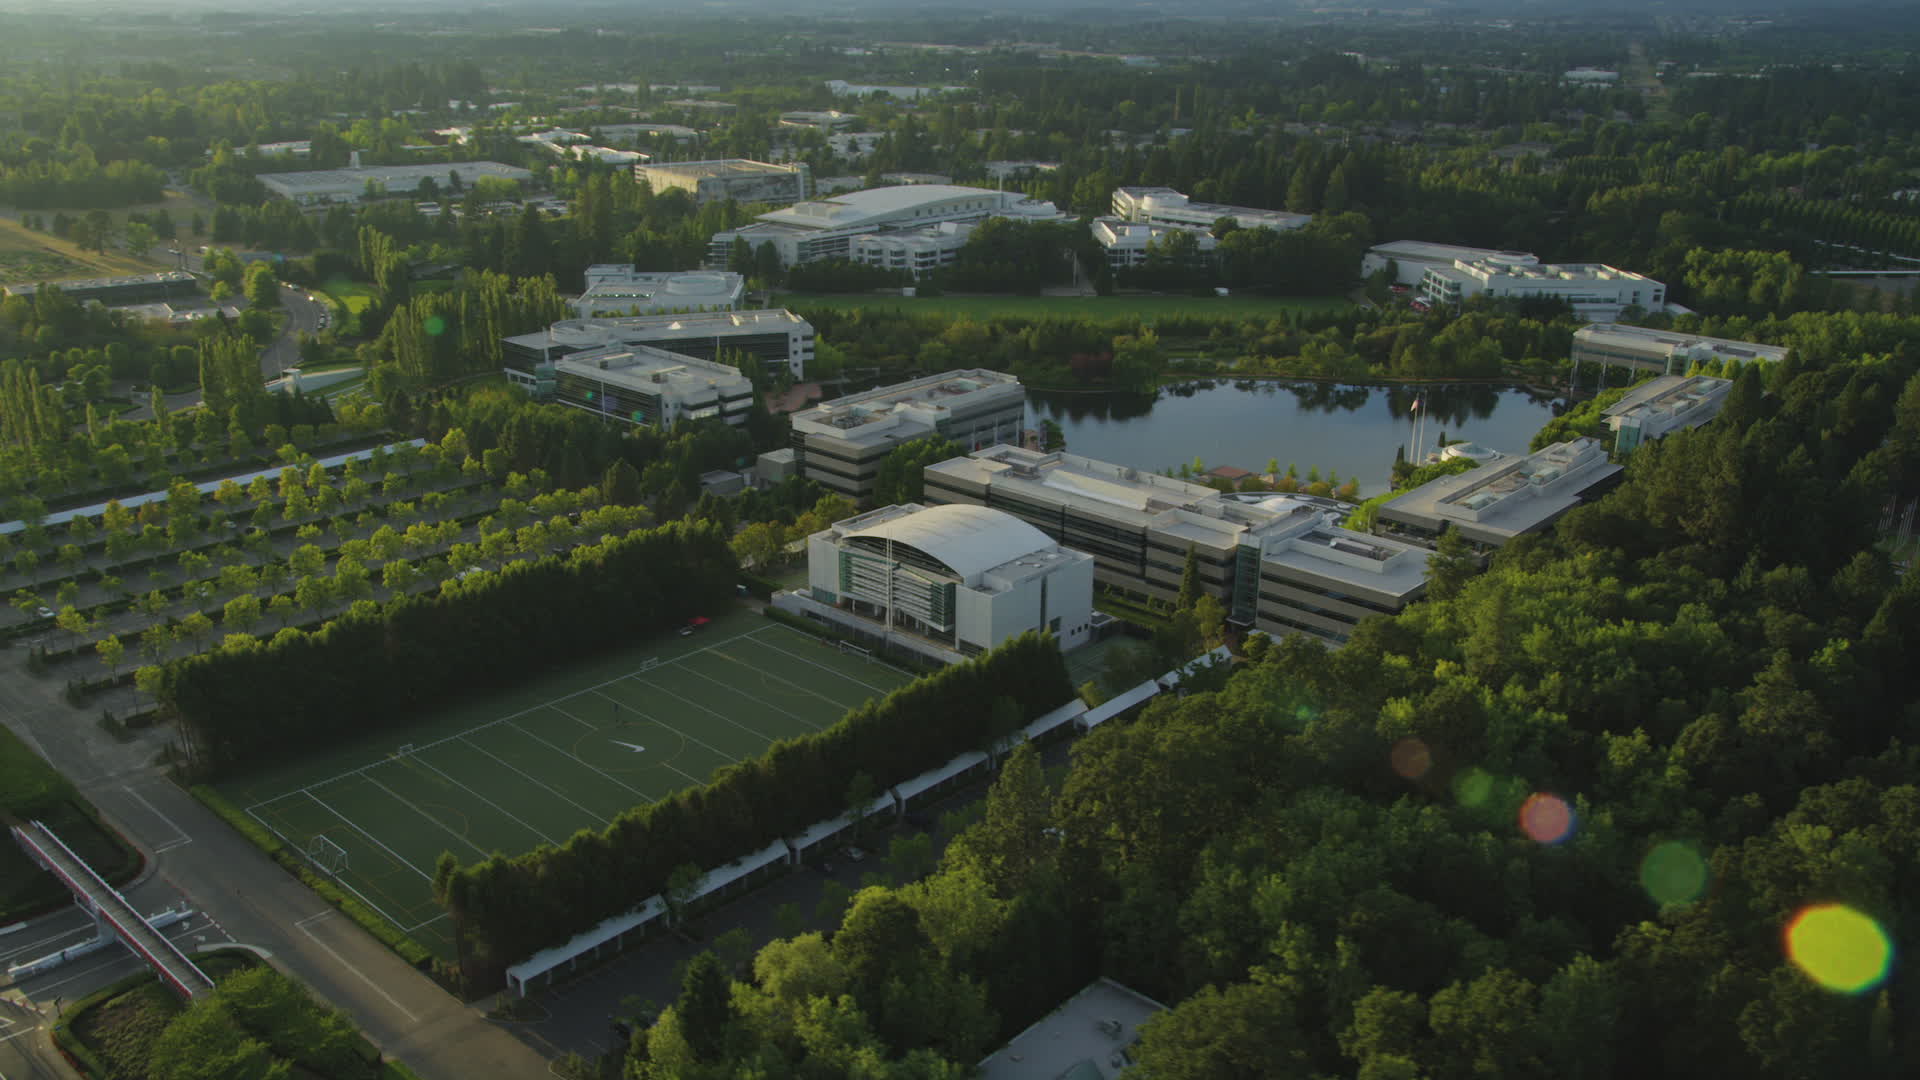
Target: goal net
(855, 650)
(649, 663)
(327, 855)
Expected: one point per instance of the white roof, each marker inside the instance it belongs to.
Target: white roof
(606, 930)
(909, 788)
(1114, 706)
(877, 205)
(969, 539)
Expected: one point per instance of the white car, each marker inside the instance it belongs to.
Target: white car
(44, 612)
(854, 854)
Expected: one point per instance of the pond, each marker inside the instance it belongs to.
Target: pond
(1349, 429)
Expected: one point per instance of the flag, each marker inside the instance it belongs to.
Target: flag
(1416, 407)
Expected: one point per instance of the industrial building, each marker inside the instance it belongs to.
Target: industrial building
(1126, 243)
(841, 443)
(115, 291)
(642, 385)
(738, 179)
(1410, 259)
(1279, 565)
(615, 289)
(776, 337)
(350, 184)
(965, 578)
(1664, 404)
(1595, 291)
(826, 228)
(1496, 502)
(1670, 352)
(1165, 206)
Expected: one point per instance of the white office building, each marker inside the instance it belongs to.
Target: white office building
(1126, 242)
(1165, 206)
(841, 443)
(917, 251)
(1496, 502)
(1670, 352)
(738, 179)
(615, 289)
(962, 578)
(826, 228)
(1410, 259)
(1666, 404)
(1596, 292)
(776, 337)
(642, 385)
(351, 184)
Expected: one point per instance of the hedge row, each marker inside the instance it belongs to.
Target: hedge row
(383, 670)
(505, 909)
(385, 932)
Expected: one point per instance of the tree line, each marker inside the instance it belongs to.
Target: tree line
(507, 907)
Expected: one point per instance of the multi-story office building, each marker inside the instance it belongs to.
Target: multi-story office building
(1669, 352)
(774, 336)
(1496, 502)
(641, 385)
(1165, 206)
(917, 251)
(113, 291)
(615, 289)
(1278, 565)
(1126, 242)
(1596, 292)
(738, 179)
(964, 578)
(1410, 259)
(826, 228)
(1668, 403)
(841, 443)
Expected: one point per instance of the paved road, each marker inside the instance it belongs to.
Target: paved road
(303, 315)
(195, 856)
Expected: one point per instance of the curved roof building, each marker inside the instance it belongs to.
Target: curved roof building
(825, 228)
(960, 579)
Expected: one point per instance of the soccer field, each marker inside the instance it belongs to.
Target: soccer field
(565, 752)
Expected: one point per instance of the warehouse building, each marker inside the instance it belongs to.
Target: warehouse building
(736, 179)
(642, 385)
(776, 337)
(1670, 352)
(1410, 259)
(615, 289)
(1595, 291)
(963, 578)
(1666, 404)
(826, 228)
(1279, 565)
(840, 444)
(1494, 503)
(116, 291)
(1165, 206)
(350, 184)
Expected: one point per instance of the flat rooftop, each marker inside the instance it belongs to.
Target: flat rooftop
(1086, 1038)
(400, 177)
(164, 277)
(1671, 394)
(721, 167)
(653, 370)
(1423, 251)
(587, 333)
(1505, 499)
(1672, 342)
(886, 205)
(872, 414)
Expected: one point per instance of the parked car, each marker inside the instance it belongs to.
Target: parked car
(854, 854)
(44, 612)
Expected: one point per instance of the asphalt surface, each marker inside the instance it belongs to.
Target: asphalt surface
(196, 860)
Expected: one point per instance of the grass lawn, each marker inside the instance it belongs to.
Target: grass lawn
(1097, 308)
(567, 750)
(355, 296)
(29, 256)
(30, 788)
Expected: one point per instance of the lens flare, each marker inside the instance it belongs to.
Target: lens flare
(1674, 873)
(1546, 818)
(1839, 948)
(434, 325)
(1411, 758)
(1473, 787)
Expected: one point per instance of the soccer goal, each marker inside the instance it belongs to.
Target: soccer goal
(327, 855)
(404, 750)
(855, 650)
(649, 663)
